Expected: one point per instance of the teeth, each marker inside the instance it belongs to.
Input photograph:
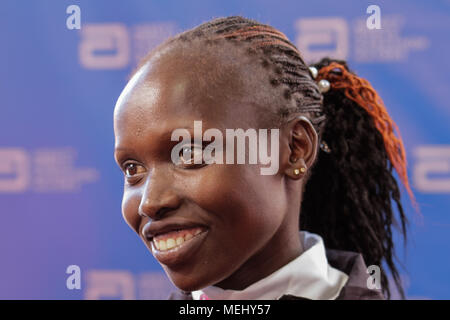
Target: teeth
(170, 243)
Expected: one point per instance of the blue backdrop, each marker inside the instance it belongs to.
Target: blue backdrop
(60, 190)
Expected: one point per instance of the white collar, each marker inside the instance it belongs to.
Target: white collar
(308, 276)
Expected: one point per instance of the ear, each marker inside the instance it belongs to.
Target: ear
(300, 141)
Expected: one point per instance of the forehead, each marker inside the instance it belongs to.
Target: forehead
(177, 86)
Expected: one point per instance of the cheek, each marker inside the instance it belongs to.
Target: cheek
(243, 205)
(130, 207)
(236, 187)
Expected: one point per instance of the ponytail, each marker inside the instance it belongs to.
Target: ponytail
(349, 196)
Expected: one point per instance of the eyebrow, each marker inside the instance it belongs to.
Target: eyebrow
(121, 150)
(164, 135)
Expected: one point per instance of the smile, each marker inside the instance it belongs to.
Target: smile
(173, 239)
(178, 246)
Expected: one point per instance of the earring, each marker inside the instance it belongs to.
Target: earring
(297, 171)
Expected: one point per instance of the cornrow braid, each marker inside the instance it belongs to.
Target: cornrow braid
(348, 196)
(278, 54)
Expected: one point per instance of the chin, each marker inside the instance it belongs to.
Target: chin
(187, 282)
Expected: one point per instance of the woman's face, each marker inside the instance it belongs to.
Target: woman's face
(246, 226)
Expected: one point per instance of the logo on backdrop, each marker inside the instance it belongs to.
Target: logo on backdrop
(360, 40)
(431, 172)
(113, 45)
(14, 170)
(42, 170)
(122, 284)
(106, 46)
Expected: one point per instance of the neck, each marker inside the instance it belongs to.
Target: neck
(284, 247)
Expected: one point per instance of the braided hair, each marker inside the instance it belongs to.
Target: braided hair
(349, 195)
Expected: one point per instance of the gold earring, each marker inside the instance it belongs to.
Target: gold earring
(302, 169)
(296, 172)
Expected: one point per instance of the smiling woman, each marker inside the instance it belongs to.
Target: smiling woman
(226, 231)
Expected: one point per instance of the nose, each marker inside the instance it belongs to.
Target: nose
(159, 196)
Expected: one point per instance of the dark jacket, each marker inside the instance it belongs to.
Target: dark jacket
(350, 263)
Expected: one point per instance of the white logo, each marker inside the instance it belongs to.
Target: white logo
(431, 171)
(42, 170)
(14, 170)
(317, 33)
(321, 37)
(104, 46)
(122, 284)
(107, 284)
(110, 45)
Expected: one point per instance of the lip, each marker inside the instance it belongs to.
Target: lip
(181, 252)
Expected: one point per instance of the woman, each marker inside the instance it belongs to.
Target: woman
(226, 231)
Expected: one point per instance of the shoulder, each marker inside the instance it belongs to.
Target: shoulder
(351, 263)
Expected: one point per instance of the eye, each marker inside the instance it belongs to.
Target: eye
(188, 155)
(132, 169)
